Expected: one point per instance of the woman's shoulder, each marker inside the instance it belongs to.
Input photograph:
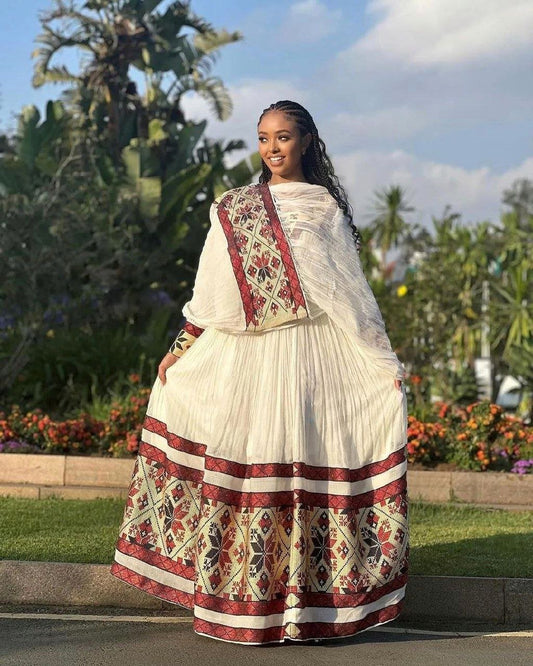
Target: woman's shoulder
(244, 190)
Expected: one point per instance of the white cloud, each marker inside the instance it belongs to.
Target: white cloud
(309, 21)
(430, 186)
(345, 129)
(425, 67)
(447, 32)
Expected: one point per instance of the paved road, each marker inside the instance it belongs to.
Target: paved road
(30, 641)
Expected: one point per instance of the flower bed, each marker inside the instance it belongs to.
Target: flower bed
(116, 434)
(479, 437)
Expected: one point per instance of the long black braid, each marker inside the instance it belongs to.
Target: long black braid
(316, 165)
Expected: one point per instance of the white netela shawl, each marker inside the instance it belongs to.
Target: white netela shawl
(241, 287)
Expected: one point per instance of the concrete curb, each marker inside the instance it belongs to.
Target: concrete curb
(501, 601)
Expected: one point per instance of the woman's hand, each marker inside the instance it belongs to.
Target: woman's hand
(168, 360)
(398, 384)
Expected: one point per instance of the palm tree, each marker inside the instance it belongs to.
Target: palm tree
(389, 226)
(121, 34)
(515, 315)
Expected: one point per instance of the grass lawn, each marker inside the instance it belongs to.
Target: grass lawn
(445, 540)
(470, 541)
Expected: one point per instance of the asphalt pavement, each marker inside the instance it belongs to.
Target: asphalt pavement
(48, 639)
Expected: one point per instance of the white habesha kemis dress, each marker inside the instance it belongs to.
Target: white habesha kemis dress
(269, 492)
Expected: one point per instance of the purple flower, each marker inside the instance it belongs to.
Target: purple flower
(523, 467)
(16, 446)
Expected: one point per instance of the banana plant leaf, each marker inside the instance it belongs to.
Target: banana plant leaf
(180, 189)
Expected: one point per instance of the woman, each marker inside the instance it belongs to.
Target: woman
(269, 493)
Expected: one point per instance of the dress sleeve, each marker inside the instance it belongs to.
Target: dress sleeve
(216, 300)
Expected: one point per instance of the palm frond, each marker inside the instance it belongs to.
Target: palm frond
(51, 43)
(190, 18)
(208, 42)
(58, 74)
(217, 96)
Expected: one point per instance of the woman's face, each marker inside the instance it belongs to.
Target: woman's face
(281, 146)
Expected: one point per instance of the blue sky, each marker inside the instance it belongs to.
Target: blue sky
(436, 95)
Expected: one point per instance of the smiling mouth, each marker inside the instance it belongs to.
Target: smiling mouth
(276, 160)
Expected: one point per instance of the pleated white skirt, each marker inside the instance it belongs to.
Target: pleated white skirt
(299, 393)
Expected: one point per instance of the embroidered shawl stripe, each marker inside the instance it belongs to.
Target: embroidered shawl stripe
(260, 256)
(236, 262)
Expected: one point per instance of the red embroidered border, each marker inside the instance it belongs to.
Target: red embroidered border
(173, 469)
(307, 630)
(155, 559)
(240, 499)
(193, 330)
(158, 590)
(300, 469)
(282, 470)
(290, 269)
(174, 441)
(305, 599)
(236, 262)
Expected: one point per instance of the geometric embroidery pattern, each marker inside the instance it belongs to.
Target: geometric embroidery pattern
(185, 338)
(258, 558)
(261, 258)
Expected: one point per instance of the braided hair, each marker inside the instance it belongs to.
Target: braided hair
(316, 165)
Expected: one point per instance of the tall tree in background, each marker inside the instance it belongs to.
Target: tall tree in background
(174, 49)
(169, 165)
(468, 283)
(511, 309)
(519, 197)
(389, 226)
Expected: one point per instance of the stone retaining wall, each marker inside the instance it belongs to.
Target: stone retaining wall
(39, 476)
